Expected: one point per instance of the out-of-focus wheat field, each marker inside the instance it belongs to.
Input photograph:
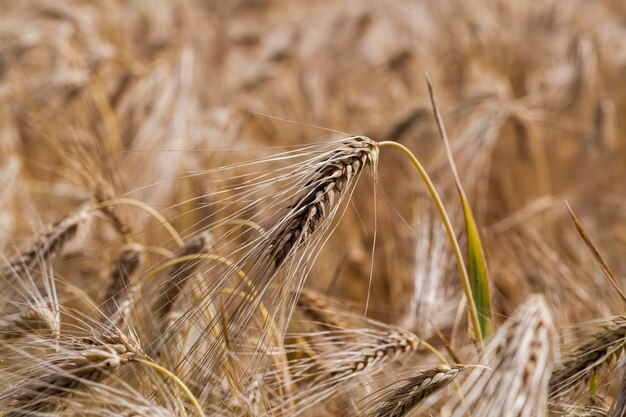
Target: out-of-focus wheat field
(157, 156)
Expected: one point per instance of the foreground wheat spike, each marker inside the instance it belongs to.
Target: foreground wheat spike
(179, 274)
(47, 246)
(330, 179)
(123, 308)
(520, 357)
(592, 354)
(386, 347)
(33, 318)
(40, 394)
(126, 265)
(300, 214)
(345, 357)
(415, 390)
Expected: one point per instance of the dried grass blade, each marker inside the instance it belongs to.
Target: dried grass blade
(596, 253)
(479, 277)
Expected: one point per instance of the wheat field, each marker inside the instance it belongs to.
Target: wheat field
(312, 208)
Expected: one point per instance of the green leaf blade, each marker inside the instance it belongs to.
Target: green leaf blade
(477, 265)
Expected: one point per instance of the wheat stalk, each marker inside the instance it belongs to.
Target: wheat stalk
(595, 409)
(34, 318)
(618, 408)
(126, 265)
(251, 402)
(152, 411)
(319, 310)
(520, 356)
(331, 178)
(315, 188)
(343, 357)
(124, 307)
(179, 274)
(415, 390)
(43, 393)
(387, 345)
(118, 224)
(47, 246)
(601, 348)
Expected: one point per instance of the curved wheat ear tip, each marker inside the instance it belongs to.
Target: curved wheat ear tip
(47, 246)
(43, 394)
(416, 390)
(126, 265)
(599, 349)
(180, 273)
(330, 180)
(34, 318)
(520, 355)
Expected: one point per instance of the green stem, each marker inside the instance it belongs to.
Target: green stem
(451, 236)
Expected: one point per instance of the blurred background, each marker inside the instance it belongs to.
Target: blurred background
(101, 98)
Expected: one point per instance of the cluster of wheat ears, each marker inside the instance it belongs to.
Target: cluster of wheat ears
(165, 254)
